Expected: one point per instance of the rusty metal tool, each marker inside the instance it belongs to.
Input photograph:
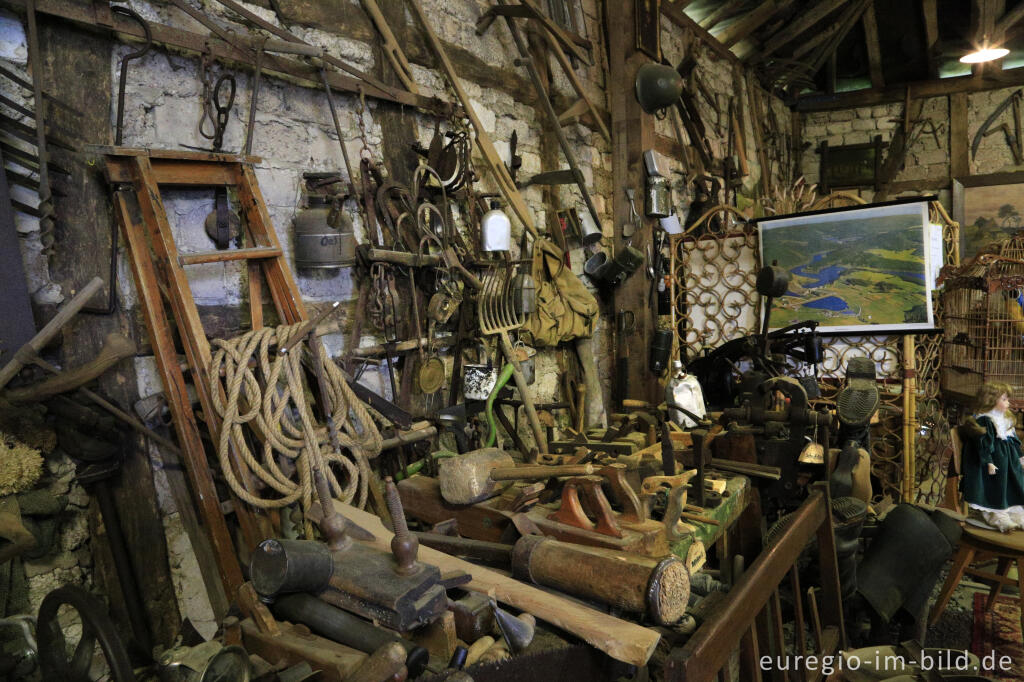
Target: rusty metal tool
(658, 588)
(498, 316)
(393, 588)
(526, 59)
(115, 348)
(26, 353)
(341, 626)
(483, 141)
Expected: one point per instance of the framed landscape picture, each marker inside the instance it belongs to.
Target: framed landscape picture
(989, 208)
(859, 270)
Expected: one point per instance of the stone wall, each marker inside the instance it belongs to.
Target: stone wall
(294, 133)
(927, 163)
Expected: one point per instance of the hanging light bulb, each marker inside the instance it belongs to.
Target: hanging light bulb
(985, 53)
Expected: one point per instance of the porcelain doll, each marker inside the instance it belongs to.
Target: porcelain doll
(993, 477)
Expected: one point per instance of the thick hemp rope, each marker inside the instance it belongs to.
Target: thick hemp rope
(277, 413)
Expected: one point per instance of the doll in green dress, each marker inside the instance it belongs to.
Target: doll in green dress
(993, 478)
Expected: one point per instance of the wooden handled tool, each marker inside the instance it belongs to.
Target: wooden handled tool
(117, 347)
(659, 588)
(527, 473)
(25, 354)
(618, 638)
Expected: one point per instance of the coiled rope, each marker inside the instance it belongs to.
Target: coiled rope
(277, 412)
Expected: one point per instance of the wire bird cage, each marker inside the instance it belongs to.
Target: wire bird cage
(983, 303)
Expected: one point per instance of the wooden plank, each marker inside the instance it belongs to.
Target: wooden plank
(682, 20)
(632, 133)
(723, 11)
(752, 21)
(930, 88)
(756, 121)
(226, 565)
(193, 42)
(870, 22)
(563, 61)
(283, 288)
(622, 640)
(1008, 20)
(846, 23)
(791, 32)
(959, 143)
(930, 12)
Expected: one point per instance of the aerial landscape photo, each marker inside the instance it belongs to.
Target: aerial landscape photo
(847, 272)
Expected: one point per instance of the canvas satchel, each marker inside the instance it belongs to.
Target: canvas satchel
(566, 310)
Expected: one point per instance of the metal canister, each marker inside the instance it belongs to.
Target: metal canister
(324, 237)
(657, 200)
(661, 350)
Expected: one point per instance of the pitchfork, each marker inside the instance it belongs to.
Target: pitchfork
(498, 316)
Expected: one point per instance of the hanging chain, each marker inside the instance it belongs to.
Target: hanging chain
(214, 109)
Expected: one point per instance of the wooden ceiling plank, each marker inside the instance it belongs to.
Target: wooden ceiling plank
(986, 12)
(683, 20)
(752, 21)
(821, 37)
(724, 11)
(849, 19)
(870, 22)
(1009, 19)
(938, 87)
(793, 31)
(930, 11)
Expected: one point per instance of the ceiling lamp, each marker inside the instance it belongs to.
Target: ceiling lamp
(984, 54)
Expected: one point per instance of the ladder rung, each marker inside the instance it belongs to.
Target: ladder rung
(231, 254)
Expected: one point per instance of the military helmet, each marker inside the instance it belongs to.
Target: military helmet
(657, 86)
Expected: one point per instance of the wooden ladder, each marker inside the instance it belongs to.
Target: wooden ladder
(161, 278)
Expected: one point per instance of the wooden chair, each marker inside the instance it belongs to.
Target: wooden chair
(977, 543)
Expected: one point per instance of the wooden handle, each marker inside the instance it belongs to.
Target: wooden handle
(63, 316)
(117, 347)
(620, 639)
(540, 471)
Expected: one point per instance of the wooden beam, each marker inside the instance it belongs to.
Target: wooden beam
(789, 33)
(752, 21)
(959, 143)
(682, 20)
(985, 13)
(724, 11)
(632, 133)
(870, 23)
(846, 24)
(930, 11)
(930, 88)
(1009, 19)
(193, 42)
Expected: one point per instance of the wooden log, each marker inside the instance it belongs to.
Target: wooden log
(46, 334)
(619, 639)
(117, 347)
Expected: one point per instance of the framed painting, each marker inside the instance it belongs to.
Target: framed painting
(857, 271)
(989, 208)
(850, 166)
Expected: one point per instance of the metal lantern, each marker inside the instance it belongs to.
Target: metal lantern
(324, 237)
